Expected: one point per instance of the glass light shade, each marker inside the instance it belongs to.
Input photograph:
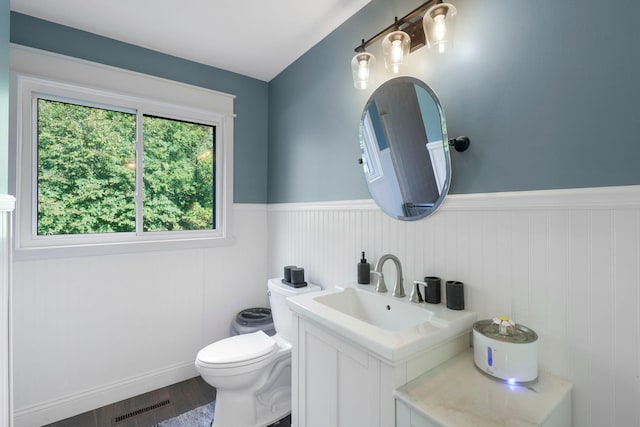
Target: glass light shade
(395, 48)
(362, 66)
(438, 23)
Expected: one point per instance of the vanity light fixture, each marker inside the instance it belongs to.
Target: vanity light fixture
(395, 48)
(429, 24)
(362, 66)
(438, 24)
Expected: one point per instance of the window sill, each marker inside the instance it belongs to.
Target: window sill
(118, 248)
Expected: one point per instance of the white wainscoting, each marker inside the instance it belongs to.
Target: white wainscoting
(93, 330)
(7, 205)
(565, 263)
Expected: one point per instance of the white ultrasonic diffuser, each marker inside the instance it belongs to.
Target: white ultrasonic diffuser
(505, 350)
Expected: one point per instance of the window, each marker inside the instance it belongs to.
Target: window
(179, 165)
(100, 168)
(86, 173)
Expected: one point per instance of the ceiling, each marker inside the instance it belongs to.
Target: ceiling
(257, 38)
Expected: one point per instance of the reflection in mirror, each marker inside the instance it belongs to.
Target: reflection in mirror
(405, 149)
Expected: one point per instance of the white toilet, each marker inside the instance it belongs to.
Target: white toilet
(252, 372)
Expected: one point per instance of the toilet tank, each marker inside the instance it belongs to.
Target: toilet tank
(283, 317)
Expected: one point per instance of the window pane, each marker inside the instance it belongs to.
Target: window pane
(86, 169)
(179, 175)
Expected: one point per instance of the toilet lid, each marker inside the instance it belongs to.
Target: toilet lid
(238, 348)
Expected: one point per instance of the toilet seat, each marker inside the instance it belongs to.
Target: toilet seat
(239, 350)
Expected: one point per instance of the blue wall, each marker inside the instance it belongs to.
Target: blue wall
(4, 95)
(250, 131)
(546, 90)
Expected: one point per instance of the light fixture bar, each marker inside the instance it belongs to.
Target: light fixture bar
(406, 24)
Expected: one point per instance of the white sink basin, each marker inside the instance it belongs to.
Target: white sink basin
(377, 309)
(392, 328)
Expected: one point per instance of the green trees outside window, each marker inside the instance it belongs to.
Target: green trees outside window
(86, 171)
(179, 163)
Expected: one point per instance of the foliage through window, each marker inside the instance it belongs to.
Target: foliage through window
(87, 164)
(178, 175)
(85, 180)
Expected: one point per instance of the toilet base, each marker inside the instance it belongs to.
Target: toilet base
(238, 411)
(257, 408)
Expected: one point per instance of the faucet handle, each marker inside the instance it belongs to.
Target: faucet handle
(381, 287)
(415, 292)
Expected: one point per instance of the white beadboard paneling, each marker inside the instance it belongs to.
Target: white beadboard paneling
(539, 290)
(520, 270)
(7, 204)
(506, 286)
(97, 329)
(580, 315)
(563, 262)
(476, 261)
(626, 348)
(121, 316)
(602, 321)
(558, 295)
(488, 282)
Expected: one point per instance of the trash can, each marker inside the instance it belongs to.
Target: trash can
(253, 320)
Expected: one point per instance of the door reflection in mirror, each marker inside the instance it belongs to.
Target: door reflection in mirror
(405, 149)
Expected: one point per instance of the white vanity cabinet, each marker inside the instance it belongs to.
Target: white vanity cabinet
(338, 383)
(406, 417)
(456, 394)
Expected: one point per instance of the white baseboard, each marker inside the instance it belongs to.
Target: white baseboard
(87, 400)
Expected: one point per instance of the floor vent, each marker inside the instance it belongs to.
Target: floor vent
(125, 417)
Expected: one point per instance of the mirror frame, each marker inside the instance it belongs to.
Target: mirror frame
(445, 146)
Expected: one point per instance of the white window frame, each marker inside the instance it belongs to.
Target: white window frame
(26, 88)
(370, 146)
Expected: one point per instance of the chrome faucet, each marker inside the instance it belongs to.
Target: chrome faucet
(398, 288)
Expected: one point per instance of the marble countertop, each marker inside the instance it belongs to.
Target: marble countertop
(456, 393)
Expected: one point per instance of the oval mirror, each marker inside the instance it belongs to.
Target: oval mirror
(405, 149)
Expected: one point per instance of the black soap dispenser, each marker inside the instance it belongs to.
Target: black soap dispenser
(364, 271)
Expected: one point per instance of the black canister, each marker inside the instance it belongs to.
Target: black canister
(455, 295)
(432, 290)
(287, 273)
(297, 277)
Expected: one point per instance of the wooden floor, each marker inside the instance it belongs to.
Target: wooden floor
(150, 408)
